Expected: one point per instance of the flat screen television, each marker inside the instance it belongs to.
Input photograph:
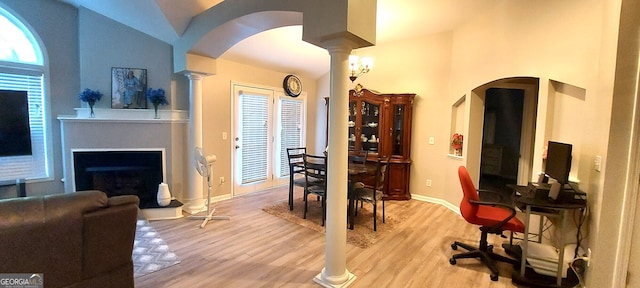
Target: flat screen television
(558, 163)
(15, 134)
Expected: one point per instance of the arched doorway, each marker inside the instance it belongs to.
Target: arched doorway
(510, 109)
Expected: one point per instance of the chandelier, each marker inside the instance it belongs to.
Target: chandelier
(358, 66)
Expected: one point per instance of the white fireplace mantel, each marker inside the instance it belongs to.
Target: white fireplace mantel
(127, 115)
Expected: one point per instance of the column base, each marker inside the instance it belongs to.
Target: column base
(194, 206)
(327, 283)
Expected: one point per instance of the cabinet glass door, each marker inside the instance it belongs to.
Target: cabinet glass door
(353, 135)
(370, 126)
(398, 123)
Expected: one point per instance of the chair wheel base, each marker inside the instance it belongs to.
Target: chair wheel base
(494, 277)
(452, 261)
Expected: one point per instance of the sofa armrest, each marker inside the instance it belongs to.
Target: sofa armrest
(123, 200)
(108, 237)
(44, 234)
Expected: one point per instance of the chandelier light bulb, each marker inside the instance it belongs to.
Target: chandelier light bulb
(359, 66)
(354, 62)
(367, 63)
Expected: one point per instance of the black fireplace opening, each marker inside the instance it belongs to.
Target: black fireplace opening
(120, 173)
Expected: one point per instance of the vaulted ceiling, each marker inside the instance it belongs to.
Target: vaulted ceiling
(396, 19)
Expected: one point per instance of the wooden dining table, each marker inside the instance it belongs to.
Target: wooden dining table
(358, 172)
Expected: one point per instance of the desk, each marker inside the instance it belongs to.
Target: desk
(546, 208)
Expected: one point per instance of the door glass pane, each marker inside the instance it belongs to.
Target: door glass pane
(370, 126)
(255, 137)
(353, 135)
(398, 123)
(290, 121)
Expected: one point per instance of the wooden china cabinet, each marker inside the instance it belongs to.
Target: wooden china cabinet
(381, 125)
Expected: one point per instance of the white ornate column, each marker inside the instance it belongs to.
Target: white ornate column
(335, 273)
(194, 197)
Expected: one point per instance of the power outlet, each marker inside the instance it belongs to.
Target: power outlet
(428, 182)
(221, 180)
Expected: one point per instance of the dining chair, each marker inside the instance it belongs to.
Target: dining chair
(316, 175)
(359, 157)
(296, 167)
(373, 194)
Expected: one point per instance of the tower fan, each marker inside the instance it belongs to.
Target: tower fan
(204, 166)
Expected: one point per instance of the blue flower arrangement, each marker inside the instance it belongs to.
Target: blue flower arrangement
(90, 96)
(157, 97)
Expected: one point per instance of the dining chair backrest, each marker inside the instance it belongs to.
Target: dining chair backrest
(381, 172)
(358, 156)
(315, 167)
(296, 161)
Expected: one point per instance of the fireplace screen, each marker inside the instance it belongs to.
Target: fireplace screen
(120, 173)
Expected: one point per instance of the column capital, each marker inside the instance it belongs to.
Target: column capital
(194, 75)
(339, 45)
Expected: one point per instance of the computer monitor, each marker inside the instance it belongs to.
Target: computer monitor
(558, 162)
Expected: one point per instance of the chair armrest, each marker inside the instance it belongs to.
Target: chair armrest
(496, 228)
(492, 194)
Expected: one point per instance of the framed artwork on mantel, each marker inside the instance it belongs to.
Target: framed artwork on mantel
(128, 86)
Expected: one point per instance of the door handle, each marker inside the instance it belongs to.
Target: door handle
(237, 146)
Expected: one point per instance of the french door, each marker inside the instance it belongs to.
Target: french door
(266, 122)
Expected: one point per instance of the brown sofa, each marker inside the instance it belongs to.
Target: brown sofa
(81, 239)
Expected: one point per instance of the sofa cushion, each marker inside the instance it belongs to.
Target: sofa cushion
(60, 236)
(100, 241)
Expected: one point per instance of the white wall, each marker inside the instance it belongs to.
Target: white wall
(570, 41)
(216, 111)
(105, 43)
(419, 66)
(566, 44)
(58, 30)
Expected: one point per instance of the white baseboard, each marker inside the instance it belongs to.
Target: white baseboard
(438, 201)
(203, 208)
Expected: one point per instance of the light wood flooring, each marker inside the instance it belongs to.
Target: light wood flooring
(256, 249)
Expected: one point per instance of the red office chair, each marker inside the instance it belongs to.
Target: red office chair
(492, 217)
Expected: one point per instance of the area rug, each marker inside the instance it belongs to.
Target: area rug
(150, 252)
(361, 236)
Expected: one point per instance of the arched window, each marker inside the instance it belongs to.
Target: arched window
(23, 68)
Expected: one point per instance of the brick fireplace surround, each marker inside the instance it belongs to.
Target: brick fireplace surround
(129, 130)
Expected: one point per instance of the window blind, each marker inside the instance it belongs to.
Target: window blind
(35, 165)
(255, 137)
(290, 130)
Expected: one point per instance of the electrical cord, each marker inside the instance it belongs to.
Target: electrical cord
(579, 223)
(575, 270)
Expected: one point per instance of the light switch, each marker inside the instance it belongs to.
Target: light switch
(224, 135)
(598, 163)
(432, 140)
